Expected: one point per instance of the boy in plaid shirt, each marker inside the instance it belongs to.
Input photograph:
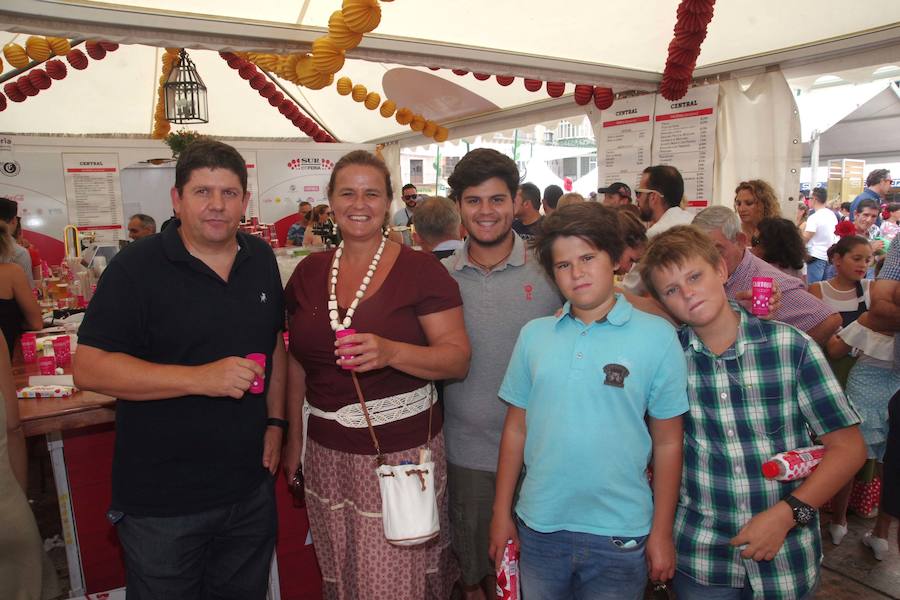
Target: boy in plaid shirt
(755, 388)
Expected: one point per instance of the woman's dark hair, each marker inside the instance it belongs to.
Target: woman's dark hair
(781, 243)
(845, 245)
(634, 233)
(594, 223)
(478, 166)
(364, 159)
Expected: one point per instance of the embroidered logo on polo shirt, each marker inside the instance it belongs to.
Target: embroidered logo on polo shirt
(528, 291)
(615, 375)
(262, 298)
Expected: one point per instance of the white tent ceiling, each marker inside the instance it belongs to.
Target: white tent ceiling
(621, 43)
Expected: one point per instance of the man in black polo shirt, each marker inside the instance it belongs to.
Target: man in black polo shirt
(167, 333)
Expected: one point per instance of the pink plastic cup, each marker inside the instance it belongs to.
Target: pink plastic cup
(47, 365)
(29, 347)
(344, 333)
(62, 348)
(258, 385)
(761, 295)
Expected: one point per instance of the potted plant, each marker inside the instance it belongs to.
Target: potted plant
(177, 141)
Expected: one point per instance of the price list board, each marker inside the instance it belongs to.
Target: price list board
(625, 136)
(684, 136)
(94, 194)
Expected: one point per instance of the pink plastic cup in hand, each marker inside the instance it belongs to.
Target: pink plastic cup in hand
(339, 335)
(762, 294)
(62, 348)
(258, 385)
(47, 365)
(29, 347)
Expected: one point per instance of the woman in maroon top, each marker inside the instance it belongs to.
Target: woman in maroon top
(408, 311)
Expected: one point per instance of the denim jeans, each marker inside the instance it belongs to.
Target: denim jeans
(218, 554)
(567, 565)
(815, 270)
(687, 588)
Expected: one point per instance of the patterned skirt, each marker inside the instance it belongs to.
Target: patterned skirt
(344, 506)
(869, 389)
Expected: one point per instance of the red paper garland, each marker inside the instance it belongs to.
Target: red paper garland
(287, 107)
(692, 20)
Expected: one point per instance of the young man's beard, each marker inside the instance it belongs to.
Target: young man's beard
(491, 243)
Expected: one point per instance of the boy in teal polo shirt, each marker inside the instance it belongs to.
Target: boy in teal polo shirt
(756, 388)
(581, 385)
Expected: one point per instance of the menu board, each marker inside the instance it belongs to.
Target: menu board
(94, 195)
(684, 136)
(625, 135)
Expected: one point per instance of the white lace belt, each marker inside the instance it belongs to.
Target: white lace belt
(382, 410)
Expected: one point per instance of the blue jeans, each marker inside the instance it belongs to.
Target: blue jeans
(815, 270)
(218, 554)
(687, 588)
(567, 565)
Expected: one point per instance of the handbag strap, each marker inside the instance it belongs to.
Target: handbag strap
(379, 457)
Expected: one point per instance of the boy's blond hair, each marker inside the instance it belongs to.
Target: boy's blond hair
(674, 247)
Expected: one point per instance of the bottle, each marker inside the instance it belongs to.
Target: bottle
(508, 574)
(793, 464)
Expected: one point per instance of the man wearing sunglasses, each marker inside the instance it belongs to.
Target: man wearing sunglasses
(404, 216)
(659, 196)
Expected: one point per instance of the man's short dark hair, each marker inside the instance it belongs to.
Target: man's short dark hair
(408, 186)
(877, 176)
(552, 194)
(866, 203)
(532, 194)
(846, 206)
(820, 194)
(437, 219)
(667, 181)
(482, 164)
(147, 222)
(8, 209)
(594, 223)
(209, 154)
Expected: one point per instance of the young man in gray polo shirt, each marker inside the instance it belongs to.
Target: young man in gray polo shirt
(503, 287)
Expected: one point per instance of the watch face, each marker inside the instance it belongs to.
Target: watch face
(804, 514)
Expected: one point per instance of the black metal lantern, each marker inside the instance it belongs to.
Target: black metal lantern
(185, 93)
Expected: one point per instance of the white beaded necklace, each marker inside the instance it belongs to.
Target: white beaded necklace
(333, 314)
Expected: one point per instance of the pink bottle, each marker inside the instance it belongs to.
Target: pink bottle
(508, 574)
(794, 464)
(343, 333)
(258, 385)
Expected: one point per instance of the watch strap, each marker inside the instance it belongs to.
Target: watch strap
(275, 422)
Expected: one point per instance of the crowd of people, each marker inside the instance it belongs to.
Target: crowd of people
(584, 376)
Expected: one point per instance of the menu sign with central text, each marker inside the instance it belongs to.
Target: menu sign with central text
(684, 136)
(625, 135)
(94, 195)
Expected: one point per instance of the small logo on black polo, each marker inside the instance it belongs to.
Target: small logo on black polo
(615, 375)
(262, 298)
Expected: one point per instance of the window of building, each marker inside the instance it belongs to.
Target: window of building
(415, 171)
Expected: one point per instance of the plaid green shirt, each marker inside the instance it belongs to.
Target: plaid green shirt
(754, 400)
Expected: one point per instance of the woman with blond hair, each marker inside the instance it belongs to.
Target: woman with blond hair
(569, 198)
(754, 201)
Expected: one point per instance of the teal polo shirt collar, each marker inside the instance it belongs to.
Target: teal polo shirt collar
(517, 258)
(619, 315)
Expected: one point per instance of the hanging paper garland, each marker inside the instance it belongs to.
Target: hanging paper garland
(56, 69)
(15, 55)
(361, 16)
(583, 93)
(533, 85)
(38, 48)
(77, 59)
(603, 97)
(95, 50)
(692, 20)
(287, 107)
(161, 125)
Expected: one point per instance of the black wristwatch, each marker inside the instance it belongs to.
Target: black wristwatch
(273, 422)
(803, 512)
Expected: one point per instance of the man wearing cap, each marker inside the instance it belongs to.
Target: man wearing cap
(616, 194)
